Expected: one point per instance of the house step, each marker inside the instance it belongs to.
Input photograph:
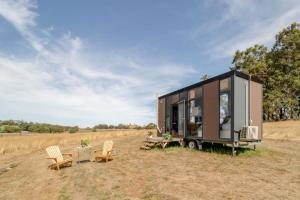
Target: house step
(149, 144)
(145, 148)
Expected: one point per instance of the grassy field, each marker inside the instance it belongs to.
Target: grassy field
(271, 172)
(13, 144)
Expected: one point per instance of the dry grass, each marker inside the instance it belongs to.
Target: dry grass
(284, 130)
(16, 144)
(271, 172)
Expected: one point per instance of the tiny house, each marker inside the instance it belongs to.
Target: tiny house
(223, 109)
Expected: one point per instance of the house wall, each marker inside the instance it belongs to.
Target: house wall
(161, 115)
(256, 97)
(211, 111)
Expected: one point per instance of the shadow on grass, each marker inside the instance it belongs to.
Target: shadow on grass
(224, 149)
(216, 148)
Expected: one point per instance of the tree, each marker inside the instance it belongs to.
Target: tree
(279, 69)
(204, 77)
(150, 126)
(255, 61)
(286, 63)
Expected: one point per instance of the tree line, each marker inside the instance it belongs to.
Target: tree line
(279, 69)
(16, 126)
(125, 126)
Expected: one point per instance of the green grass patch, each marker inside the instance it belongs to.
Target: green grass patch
(93, 191)
(258, 152)
(247, 151)
(63, 195)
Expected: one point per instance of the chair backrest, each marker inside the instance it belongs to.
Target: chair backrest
(107, 146)
(54, 152)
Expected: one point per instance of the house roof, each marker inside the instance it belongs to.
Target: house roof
(219, 77)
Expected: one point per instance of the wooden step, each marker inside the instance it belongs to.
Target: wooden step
(145, 148)
(149, 145)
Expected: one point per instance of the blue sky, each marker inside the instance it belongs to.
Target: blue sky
(89, 62)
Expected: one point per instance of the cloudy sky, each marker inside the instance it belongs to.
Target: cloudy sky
(88, 62)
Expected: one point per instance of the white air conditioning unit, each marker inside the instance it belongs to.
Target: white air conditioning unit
(249, 133)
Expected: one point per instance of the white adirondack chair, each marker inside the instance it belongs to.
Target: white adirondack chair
(106, 152)
(57, 158)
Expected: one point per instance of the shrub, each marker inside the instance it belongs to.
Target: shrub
(74, 129)
(10, 129)
(150, 126)
(56, 129)
(39, 128)
(167, 136)
(84, 143)
(1, 129)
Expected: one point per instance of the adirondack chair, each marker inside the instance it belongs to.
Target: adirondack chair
(106, 152)
(57, 158)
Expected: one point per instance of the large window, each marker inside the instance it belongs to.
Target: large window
(195, 112)
(225, 108)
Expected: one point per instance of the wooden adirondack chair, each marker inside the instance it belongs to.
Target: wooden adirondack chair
(57, 158)
(106, 152)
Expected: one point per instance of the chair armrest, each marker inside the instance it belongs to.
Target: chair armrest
(55, 159)
(67, 154)
(109, 152)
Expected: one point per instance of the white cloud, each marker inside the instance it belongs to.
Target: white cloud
(65, 82)
(262, 32)
(19, 13)
(246, 23)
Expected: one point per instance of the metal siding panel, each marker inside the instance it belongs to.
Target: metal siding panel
(168, 112)
(175, 98)
(256, 106)
(183, 96)
(161, 115)
(240, 107)
(211, 111)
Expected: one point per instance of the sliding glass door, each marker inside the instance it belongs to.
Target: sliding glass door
(225, 108)
(181, 119)
(195, 112)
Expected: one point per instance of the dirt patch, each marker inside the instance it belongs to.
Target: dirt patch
(4, 169)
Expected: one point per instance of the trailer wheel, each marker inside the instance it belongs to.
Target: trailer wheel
(192, 144)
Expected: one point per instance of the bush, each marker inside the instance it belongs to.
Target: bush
(101, 126)
(10, 129)
(73, 129)
(150, 126)
(39, 128)
(2, 129)
(84, 143)
(56, 129)
(167, 136)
